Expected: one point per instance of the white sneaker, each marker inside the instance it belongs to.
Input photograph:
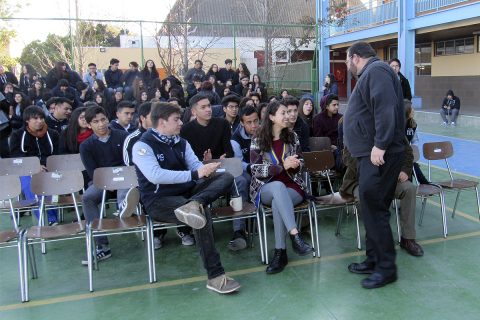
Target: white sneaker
(130, 203)
(187, 239)
(157, 243)
(445, 124)
(453, 124)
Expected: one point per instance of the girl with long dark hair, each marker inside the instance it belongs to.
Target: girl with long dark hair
(149, 73)
(330, 86)
(76, 132)
(27, 77)
(276, 166)
(20, 103)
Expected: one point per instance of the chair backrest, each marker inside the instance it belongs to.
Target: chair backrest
(231, 165)
(64, 162)
(437, 150)
(115, 178)
(319, 143)
(318, 160)
(10, 187)
(24, 166)
(56, 183)
(416, 153)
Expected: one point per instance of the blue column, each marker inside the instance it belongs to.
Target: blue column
(324, 50)
(406, 41)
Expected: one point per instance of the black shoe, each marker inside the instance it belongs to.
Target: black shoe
(377, 280)
(361, 268)
(300, 246)
(411, 246)
(279, 261)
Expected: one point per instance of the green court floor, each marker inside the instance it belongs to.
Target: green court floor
(443, 284)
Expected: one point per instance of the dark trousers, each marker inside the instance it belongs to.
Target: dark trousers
(206, 191)
(376, 191)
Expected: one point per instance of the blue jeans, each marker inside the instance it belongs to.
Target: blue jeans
(29, 195)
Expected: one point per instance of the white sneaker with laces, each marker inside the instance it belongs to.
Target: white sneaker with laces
(187, 238)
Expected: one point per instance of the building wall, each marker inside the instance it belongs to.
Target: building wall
(432, 90)
(456, 65)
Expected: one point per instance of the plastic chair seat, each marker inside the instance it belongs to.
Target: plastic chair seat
(426, 190)
(227, 212)
(58, 231)
(6, 236)
(119, 224)
(458, 184)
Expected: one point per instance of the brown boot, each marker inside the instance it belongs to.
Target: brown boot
(411, 246)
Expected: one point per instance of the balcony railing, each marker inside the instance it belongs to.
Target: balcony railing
(427, 6)
(362, 17)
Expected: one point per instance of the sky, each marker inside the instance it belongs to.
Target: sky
(27, 31)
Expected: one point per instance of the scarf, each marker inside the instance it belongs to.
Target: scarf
(82, 136)
(38, 134)
(169, 140)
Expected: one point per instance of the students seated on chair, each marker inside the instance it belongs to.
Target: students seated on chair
(125, 113)
(208, 136)
(145, 123)
(104, 148)
(62, 109)
(176, 187)
(276, 166)
(34, 139)
(406, 191)
(325, 124)
(296, 123)
(241, 140)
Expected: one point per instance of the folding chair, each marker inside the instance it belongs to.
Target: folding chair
(221, 214)
(10, 188)
(442, 151)
(322, 162)
(64, 162)
(319, 143)
(425, 191)
(117, 178)
(26, 166)
(47, 184)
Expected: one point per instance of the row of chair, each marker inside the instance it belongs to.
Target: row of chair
(318, 166)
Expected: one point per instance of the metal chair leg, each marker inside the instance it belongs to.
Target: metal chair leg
(312, 236)
(359, 240)
(339, 221)
(265, 244)
(444, 214)
(260, 236)
(395, 203)
(478, 201)
(455, 205)
(317, 237)
(424, 202)
(90, 248)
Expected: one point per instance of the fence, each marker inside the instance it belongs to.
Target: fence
(283, 54)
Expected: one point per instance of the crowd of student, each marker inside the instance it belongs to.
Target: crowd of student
(135, 118)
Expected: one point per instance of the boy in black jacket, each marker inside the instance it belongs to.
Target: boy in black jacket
(104, 148)
(34, 139)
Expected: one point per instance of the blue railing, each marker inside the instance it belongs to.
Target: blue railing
(435, 5)
(360, 18)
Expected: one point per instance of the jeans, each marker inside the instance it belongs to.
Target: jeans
(243, 185)
(29, 195)
(206, 191)
(91, 199)
(453, 113)
(282, 200)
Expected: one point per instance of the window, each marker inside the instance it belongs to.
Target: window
(456, 46)
(282, 56)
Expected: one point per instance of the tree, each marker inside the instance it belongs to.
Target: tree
(7, 9)
(43, 55)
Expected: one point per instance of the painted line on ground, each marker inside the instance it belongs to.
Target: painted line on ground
(446, 170)
(448, 137)
(110, 292)
(457, 212)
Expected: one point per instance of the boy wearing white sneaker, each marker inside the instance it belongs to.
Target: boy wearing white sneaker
(176, 187)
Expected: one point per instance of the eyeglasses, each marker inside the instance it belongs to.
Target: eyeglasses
(348, 59)
(232, 106)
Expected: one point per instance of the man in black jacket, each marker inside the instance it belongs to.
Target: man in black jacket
(396, 65)
(102, 149)
(125, 113)
(374, 125)
(62, 109)
(34, 139)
